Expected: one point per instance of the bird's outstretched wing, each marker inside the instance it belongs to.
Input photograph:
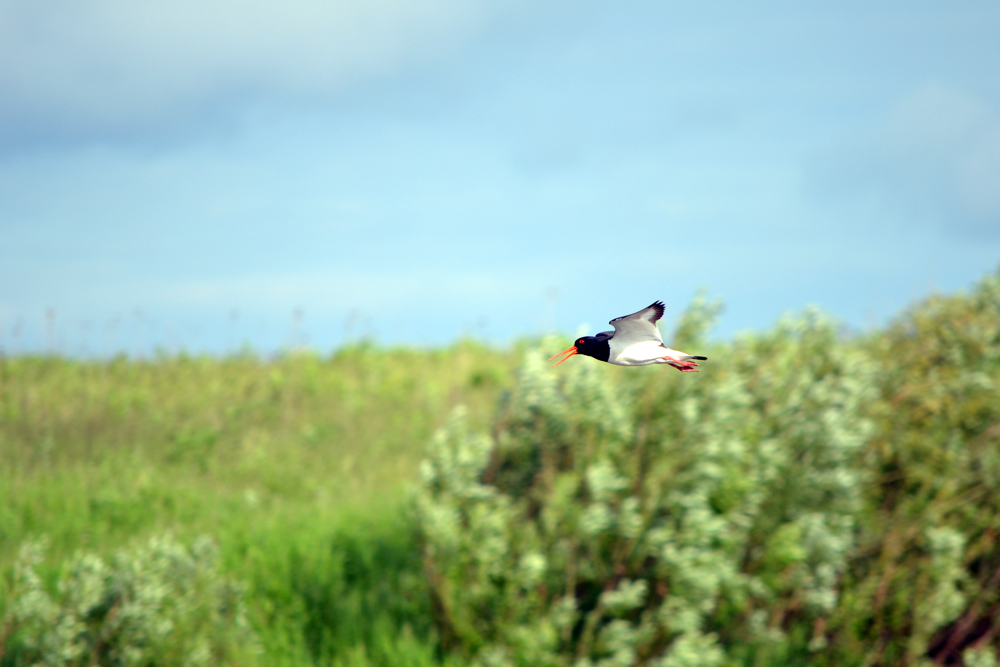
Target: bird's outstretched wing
(639, 327)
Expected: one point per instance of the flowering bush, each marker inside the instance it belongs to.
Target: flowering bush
(809, 498)
(160, 604)
(619, 519)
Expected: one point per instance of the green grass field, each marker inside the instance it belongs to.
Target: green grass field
(298, 467)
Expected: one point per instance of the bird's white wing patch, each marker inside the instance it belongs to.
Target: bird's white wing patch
(638, 327)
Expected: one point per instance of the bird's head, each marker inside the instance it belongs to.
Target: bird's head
(589, 346)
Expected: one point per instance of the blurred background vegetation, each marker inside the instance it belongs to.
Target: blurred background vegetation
(813, 496)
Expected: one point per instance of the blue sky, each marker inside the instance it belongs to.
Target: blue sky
(192, 175)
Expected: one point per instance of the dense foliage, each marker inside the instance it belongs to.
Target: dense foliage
(810, 498)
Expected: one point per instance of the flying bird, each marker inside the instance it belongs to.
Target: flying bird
(635, 341)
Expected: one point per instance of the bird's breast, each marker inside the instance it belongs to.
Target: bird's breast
(636, 354)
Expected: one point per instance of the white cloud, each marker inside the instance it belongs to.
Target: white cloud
(105, 68)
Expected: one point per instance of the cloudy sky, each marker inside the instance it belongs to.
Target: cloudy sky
(203, 174)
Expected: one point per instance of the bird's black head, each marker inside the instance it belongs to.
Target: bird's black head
(590, 346)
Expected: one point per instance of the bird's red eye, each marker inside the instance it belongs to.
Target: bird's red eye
(579, 342)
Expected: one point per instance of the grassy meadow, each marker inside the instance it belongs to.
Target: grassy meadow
(812, 497)
(292, 465)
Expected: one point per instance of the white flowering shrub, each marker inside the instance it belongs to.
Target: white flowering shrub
(159, 604)
(924, 584)
(630, 516)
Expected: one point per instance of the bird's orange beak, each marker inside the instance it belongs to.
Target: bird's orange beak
(568, 352)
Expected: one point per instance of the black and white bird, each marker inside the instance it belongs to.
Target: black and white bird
(635, 341)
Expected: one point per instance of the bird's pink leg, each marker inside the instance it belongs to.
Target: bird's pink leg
(687, 366)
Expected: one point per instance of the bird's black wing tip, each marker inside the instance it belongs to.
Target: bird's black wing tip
(700, 358)
(658, 307)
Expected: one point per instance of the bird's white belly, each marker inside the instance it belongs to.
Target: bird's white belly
(638, 354)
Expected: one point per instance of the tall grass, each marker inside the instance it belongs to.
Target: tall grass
(296, 466)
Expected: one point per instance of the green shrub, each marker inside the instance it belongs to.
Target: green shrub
(160, 604)
(925, 580)
(810, 498)
(648, 518)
